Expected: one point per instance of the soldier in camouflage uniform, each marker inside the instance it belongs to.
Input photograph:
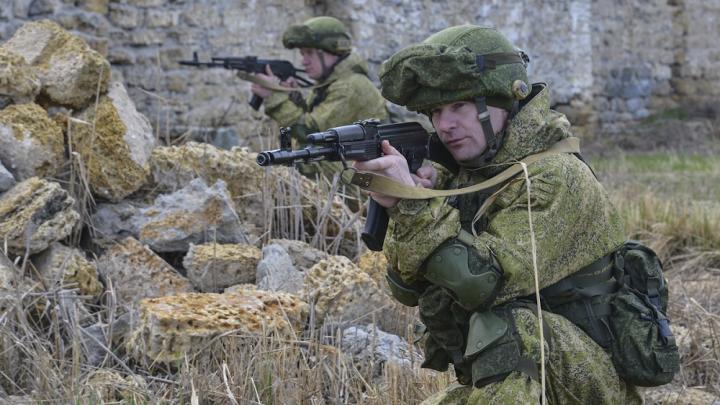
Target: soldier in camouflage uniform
(467, 260)
(343, 93)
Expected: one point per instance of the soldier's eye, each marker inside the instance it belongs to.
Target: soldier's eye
(458, 106)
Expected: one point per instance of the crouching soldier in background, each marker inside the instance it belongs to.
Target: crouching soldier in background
(343, 93)
(467, 261)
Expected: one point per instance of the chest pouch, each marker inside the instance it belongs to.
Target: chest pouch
(620, 301)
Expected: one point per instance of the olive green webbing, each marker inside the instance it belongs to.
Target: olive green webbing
(387, 186)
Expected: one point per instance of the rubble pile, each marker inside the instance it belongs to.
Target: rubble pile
(152, 251)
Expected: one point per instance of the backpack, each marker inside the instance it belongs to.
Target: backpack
(620, 301)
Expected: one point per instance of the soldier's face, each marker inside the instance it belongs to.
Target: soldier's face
(312, 61)
(459, 129)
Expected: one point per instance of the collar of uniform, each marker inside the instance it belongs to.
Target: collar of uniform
(353, 63)
(533, 129)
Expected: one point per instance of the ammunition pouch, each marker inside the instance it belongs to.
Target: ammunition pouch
(472, 280)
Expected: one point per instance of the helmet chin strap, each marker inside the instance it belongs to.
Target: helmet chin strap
(492, 141)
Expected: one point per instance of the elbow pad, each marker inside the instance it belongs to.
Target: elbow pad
(407, 295)
(472, 280)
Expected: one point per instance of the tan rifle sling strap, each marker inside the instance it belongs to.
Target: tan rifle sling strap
(387, 186)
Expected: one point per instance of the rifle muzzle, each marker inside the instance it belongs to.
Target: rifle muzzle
(288, 157)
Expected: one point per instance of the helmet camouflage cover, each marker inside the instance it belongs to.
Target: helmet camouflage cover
(457, 63)
(326, 33)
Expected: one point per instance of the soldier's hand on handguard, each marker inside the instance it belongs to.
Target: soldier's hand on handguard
(269, 77)
(393, 165)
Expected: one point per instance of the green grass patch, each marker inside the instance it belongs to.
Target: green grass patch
(658, 162)
(678, 113)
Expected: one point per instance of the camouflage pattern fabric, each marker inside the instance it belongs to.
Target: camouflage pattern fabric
(572, 216)
(348, 96)
(444, 68)
(574, 225)
(577, 371)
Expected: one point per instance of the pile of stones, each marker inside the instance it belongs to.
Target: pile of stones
(177, 239)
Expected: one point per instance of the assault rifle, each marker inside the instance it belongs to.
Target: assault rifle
(361, 141)
(283, 69)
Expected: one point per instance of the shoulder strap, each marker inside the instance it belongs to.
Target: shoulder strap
(385, 185)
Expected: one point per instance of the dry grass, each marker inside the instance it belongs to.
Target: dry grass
(45, 348)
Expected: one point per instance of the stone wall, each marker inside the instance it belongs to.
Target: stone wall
(608, 62)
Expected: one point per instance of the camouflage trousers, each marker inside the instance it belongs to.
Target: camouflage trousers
(577, 371)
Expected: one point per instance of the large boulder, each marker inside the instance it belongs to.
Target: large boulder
(114, 144)
(170, 327)
(303, 255)
(276, 272)
(343, 295)
(258, 193)
(135, 272)
(173, 167)
(372, 350)
(31, 144)
(18, 82)
(7, 180)
(212, 267)
(34, 214)
(71, 73)
(60, 265)
(194, 214)
(113, 222)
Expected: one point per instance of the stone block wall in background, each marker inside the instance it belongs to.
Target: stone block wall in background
(608, 62)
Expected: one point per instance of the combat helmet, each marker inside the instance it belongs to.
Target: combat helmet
(461, 63)
(326, 33)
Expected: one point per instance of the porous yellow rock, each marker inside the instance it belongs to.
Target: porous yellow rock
(31, 144)
(112, 172)
(61, 264)
(374, 264)
(35, 213)
(173, 167)
(212, 267)
(257, 192)
(170, 327)
(70, 71)
(135, 272)
(344, 294)
(18, 80)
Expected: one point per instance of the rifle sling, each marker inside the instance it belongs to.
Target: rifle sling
(273, 86)
(387, 186)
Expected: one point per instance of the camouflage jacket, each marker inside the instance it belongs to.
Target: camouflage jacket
(346, 96)
(573, 219)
